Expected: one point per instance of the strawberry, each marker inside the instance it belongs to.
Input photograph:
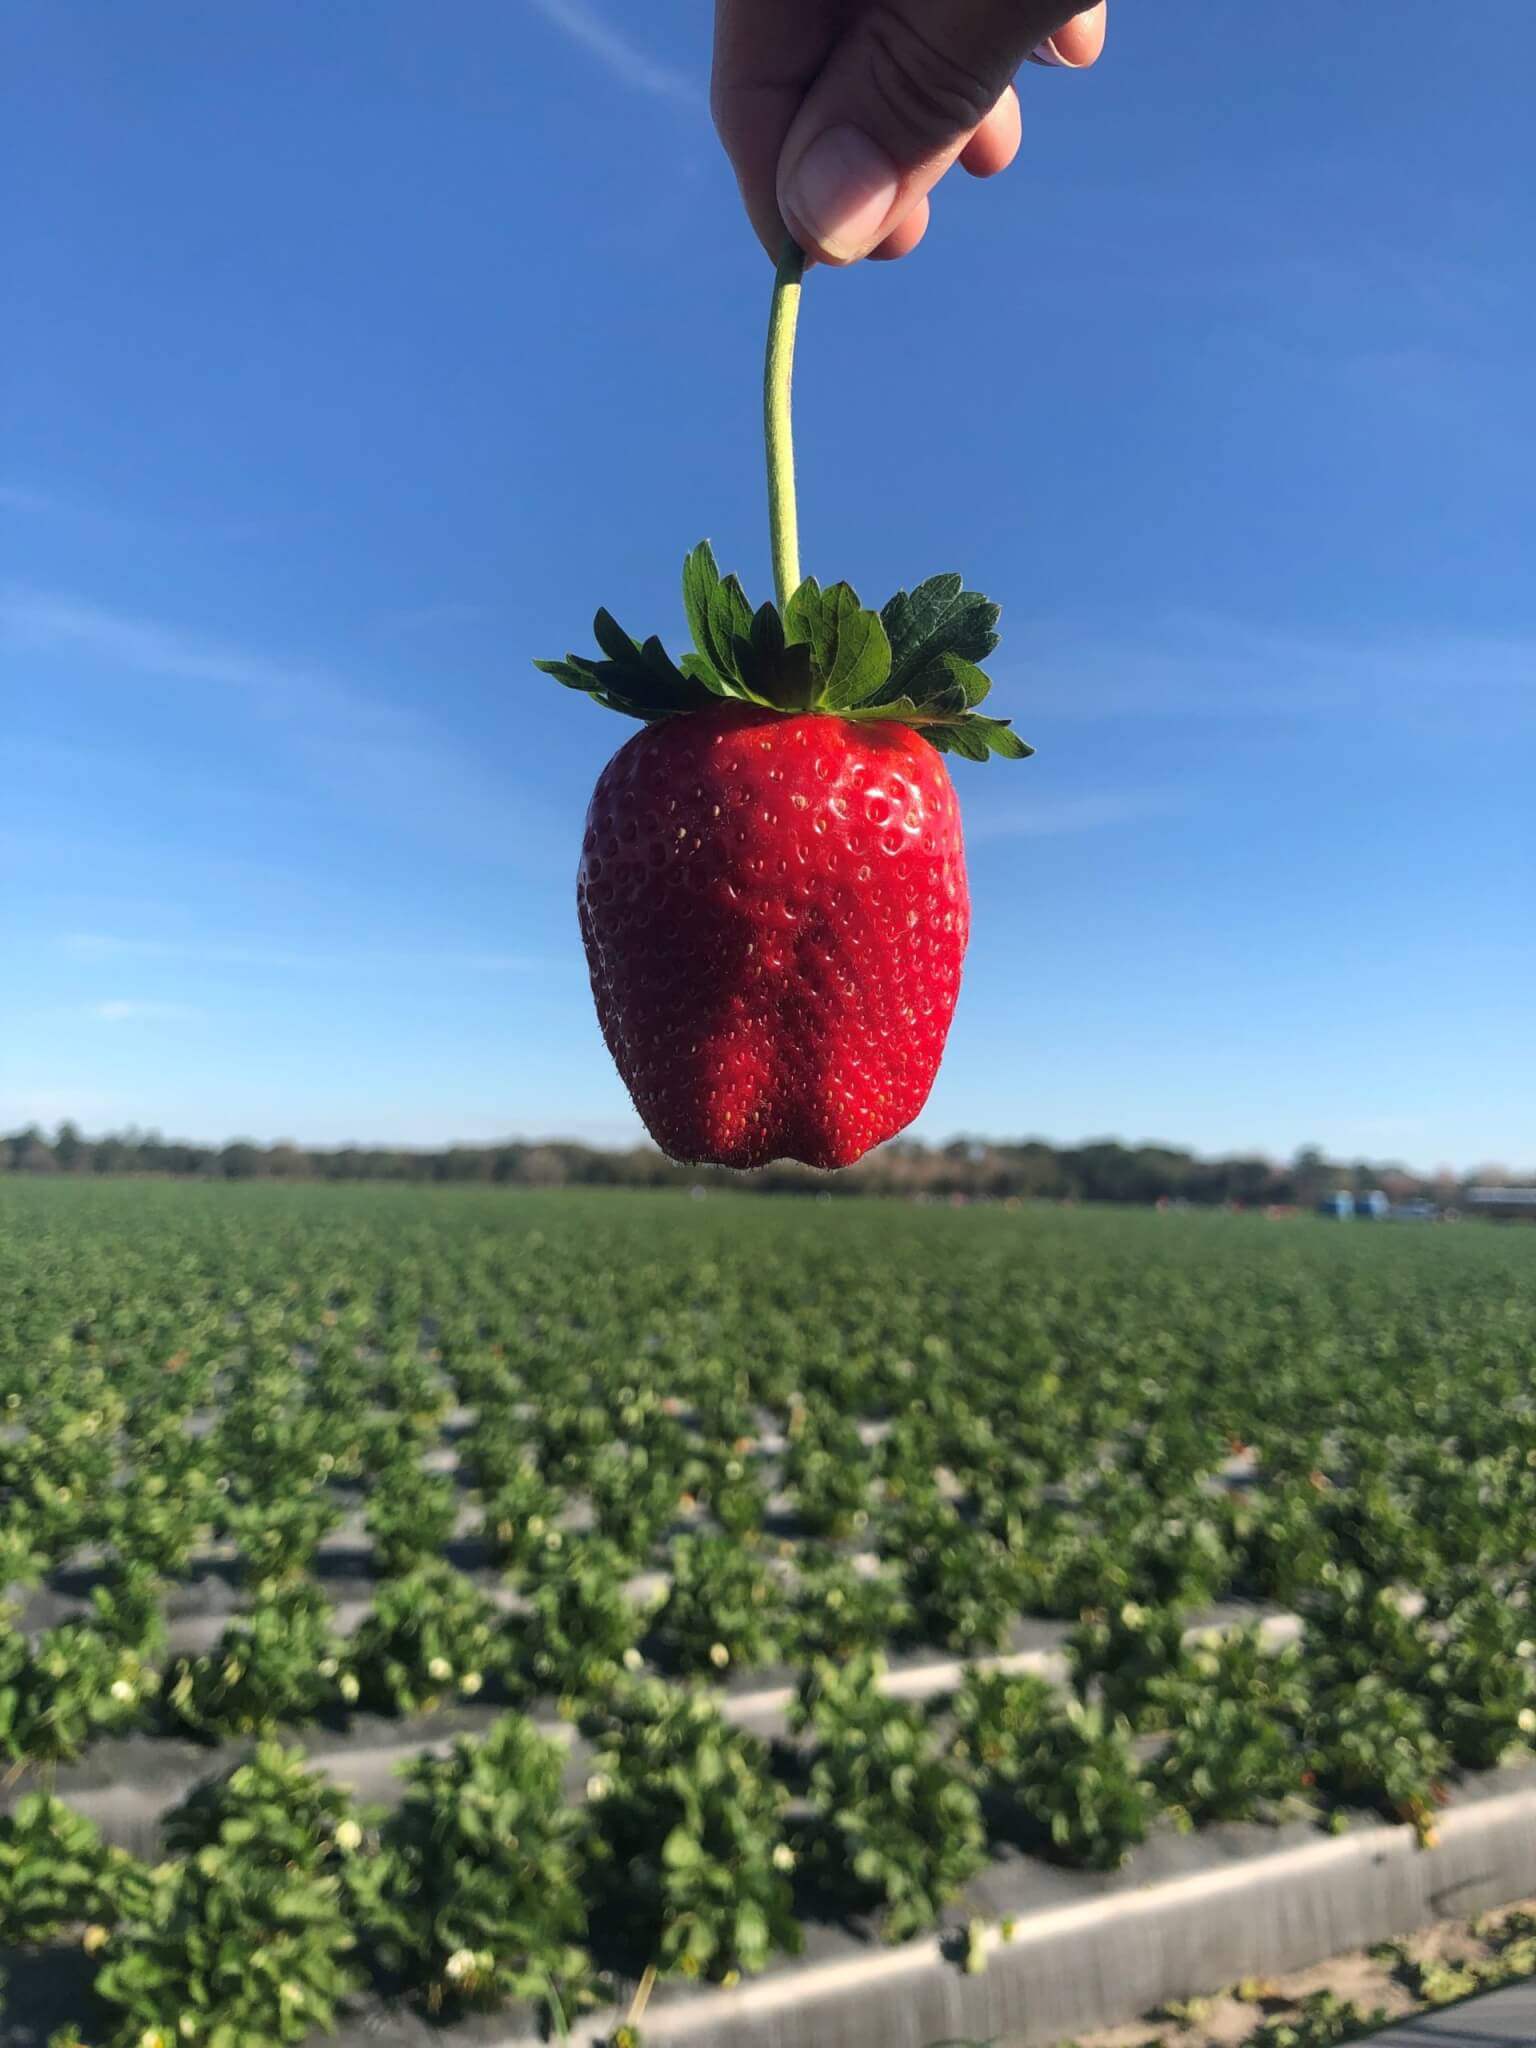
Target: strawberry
(772, 886)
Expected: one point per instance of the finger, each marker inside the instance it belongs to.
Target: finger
(766, 59)
(1077, 43)
(903, 240)
(996, 142)
(897, 100)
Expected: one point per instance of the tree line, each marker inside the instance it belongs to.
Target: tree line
(1027, 1169)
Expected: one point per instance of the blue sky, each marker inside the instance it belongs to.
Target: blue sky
(354, 355)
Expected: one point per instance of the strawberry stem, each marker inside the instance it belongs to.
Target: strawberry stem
(778, 436)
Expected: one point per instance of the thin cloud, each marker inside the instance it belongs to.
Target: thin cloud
(386, 759)
(282, 960)
(1089, 811)
(130, 1010)
(1200, 665)
(633, 67)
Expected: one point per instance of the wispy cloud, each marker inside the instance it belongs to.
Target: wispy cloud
(102, 946)
(1087, 811)
(1205, 666)
(20, 499)
(427, 618)
(386, 758)
(632, 66)
(131, 1010)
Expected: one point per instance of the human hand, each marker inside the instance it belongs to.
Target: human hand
(840, 116)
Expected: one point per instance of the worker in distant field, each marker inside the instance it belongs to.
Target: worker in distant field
(840, 116)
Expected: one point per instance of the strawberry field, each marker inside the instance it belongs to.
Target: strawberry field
(571, 1604)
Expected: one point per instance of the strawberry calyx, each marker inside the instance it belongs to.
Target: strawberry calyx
(915, 662)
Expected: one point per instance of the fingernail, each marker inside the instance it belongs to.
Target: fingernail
(1047, 53)
(840, 192)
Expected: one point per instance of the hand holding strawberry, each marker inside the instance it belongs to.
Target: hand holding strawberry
(772, 885)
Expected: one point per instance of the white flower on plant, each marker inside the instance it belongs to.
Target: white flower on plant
(349, 1836)
(464, 1965)
(632, 1659)
(719, 1656)
(123, 1691)
(290, 1993)
(783, 1856)
(1525, 1648)
(470, 1683)
(599, 1785)
(94, 1937)
(535, 1525)
(439, 1668)
(347, 1686)
(1526, 1722)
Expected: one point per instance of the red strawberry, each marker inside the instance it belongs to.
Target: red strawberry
(775, 915)
(772, 887)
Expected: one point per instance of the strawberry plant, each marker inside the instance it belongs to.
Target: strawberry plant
(1485, 1681)
(996, 1719)
(634, 1496)
(689, 1861)
(276, 1812)
(772, 886)
(520, 1510)
(476, 1897)
(1323, 2020)
(1236, 1714)
(895, 1826)
(827, 1470)
(1372, 1745)
(964, 1588)
(1124, 1652)
(839, 1610)
(248, 1939)
(725, 1608)
(429, 1637)
(1076, 1790)
(278, 1534)
(583, 1629)
(410, 1516)
(57, 1877)
(84, 1678)
(279, 1661)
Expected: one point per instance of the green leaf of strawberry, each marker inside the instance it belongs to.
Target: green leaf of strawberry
(914, 663)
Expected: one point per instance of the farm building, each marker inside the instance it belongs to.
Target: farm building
(1503, 1204)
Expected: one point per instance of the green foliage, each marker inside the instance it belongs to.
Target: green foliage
(839, 1610)
(57, 1877)
(915, 662)
(1237, 1713)
(583, 1631)
(410, 1516)
(429, 1637)
(247, 1941)
(894, 1821)
(725, 1608)
(690, 1859)
(1322, 2020)
(1124, 1653)
(964, 1587)
(84, 1678)
(475, 1898)
(520, 1511)
(1076, 1790)
(996, 1722)
(1372, 1744)
(280, 1661)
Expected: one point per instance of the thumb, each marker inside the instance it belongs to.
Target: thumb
(894, 105)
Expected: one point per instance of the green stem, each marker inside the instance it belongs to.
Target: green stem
(778, 373)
